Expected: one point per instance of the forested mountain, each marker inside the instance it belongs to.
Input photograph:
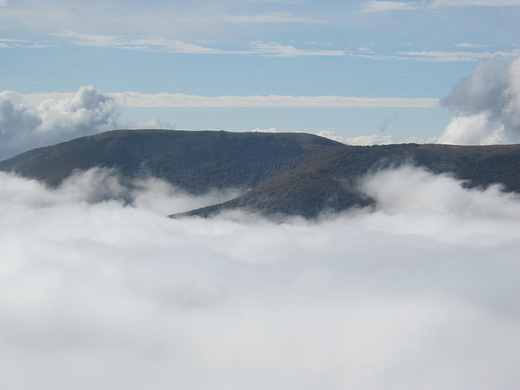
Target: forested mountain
(280, 173)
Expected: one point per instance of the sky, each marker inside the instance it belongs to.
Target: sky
(99, 290)
(343, 69)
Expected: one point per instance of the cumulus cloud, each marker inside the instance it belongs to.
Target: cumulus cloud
(489, 105)
(421, 292)
(58, 118)
(53, 120)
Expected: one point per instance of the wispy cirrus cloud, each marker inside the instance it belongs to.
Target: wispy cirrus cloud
(148, 44)
(438, 55)
(269, 17)
(279, 50)
(472, 45)
(448, 56)
(161, 44)
(276, 49)
(388, 6)
(476, 3)
(6, 43)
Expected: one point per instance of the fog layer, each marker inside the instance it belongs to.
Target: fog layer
(421, 292)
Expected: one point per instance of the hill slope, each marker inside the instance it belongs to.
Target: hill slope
(286, 173)
(196, 161)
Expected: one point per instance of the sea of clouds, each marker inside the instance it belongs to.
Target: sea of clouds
(100, 290)
(420, 292)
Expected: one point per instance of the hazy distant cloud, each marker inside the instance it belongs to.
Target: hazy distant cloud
(164, 99)
(489, 105)
(437, 55)
(376, 139)
(364, 140)
(259, 130)
(279, 50)
(472, 45)
(446, 56)
(476, 3)
(271, 17)
(134, 99)
(387, 6)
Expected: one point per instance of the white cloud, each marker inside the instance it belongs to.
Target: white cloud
(447, 56)
(23, 127)
(437, 55)
(476, 3)
(148, 44)
(174, 46)
(364, 140)
(134, 99)
(259, 130)
(474, 130)
(488, 101)
(386, 6)
(279, 50)
(164, 99)
(271, 17)
(58, 117)
(472, 45)
(420, 293)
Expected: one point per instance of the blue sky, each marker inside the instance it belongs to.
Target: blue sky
(416, 51)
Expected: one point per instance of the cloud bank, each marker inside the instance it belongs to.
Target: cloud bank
(419, 293)
(164, 99)
(489, 105)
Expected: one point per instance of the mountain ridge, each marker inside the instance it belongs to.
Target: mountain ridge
(279, 173)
